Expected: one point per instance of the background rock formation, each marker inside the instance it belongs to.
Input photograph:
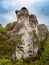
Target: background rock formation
(43, 32)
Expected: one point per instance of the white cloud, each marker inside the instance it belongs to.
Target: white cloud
(44, 20)
(10, 17)
(17, 4)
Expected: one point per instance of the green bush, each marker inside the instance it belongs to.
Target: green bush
(7, 47)
(5, 62)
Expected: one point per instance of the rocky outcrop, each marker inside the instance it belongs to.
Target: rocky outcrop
(28, 30)
(43, 32)
(33, 20)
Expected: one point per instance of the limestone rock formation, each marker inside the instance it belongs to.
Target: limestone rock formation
(26, 29)
(43, 32)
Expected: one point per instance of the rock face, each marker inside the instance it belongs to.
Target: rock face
(43, 32)
(26, 29)
(28, 23)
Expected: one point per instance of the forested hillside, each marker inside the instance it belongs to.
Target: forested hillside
(6, 49)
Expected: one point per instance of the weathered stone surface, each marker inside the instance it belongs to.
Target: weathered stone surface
(28, 30)
(43, 32)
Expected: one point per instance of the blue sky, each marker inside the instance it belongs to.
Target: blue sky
(38, 7)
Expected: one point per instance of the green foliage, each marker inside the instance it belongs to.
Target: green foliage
(45, 54)
(5, 62)
(6, 49)
(3, 30)
(10, 26)
(5, 45)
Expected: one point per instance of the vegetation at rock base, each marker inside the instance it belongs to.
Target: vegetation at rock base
(6, 50)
